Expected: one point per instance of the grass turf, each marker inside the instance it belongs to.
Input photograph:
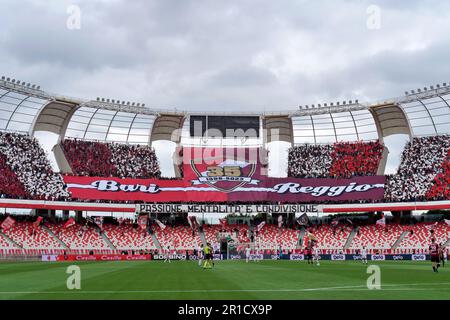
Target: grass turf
(228, 280)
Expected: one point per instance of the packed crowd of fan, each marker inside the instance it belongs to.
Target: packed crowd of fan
(341, 160)
(310, 161)
(9, 183)
(88, 158)
(422, 169)
(24, 158)
(441, 187)
(356, 159)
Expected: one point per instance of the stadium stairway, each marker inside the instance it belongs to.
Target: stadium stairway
(301, 237)
(399, 240)
(11, 241)
(348, 243)
(447, 243)
(156, 241)
(202, 237)
(50, 232)
(108, 242)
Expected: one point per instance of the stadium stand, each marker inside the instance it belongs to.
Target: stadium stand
(84, 239)
(377, 237)
(331, 239)
(24, 156)
(309, 161)
(423, 160)
(242, 232)
(10, 185)
(81, 238)
(5, 245)
(28, 237)
(341, 160)
(89, 158)
(272, 237)
(127, 237)
(355, 159)
(178, 237)
(419, 236)
(441, 184)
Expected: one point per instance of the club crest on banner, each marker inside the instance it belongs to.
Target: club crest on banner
(226, 176)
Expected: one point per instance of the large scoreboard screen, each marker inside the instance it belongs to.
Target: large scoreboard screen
(201, 126)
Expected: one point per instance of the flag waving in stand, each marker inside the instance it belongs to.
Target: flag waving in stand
(280, 221)
(69, 223)
(382, 221)
(8, 223)
(260, 226)
(334, 222)
(142, 221)
(37, 223)
(303, 220)
(193, 222)
(223, 222)
(99, 222)
(160, 224)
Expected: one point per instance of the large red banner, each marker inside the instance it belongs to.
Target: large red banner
(287, 190)
(225, 174)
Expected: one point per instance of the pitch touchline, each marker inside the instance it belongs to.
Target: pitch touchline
(343, 288)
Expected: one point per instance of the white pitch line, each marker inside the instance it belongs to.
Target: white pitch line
(343, 288)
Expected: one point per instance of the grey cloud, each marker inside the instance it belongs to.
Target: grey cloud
(241, 54)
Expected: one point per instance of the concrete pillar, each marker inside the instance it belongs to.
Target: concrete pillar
(61, 160)
(383, 162)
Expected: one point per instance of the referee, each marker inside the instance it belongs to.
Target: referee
(208, 257)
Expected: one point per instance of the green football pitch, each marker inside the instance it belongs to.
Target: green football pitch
(228, 280)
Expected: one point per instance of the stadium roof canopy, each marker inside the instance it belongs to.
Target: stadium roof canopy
(26, 108)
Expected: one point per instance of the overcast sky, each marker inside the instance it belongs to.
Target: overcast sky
(227, 55)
